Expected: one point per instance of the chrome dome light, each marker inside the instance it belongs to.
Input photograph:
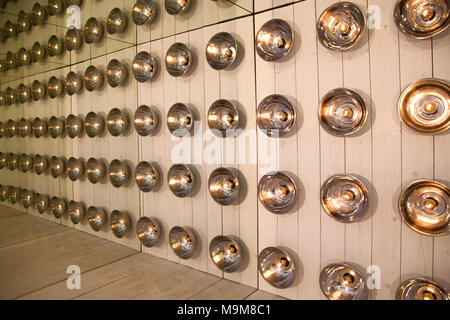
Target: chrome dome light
(182, 241)
(26, 198)
(144, 11)
(176, 7)
(145, 120)
(422, 19)
(116, 22)
(223, 186)
(42, 202)
(225, 253)
(38, 14)
(93, 78)
(23, 21)
(40, 164)
(38, 90)
(25, 162)
(117, 122)
(116, 73)
(148, 231)
(94, 125)
(23, 93)
(221, 51)
(73, 39)
(55, 87)
(75, 169)
(39, 127)
(74, 126)
(118, 172)
(24, 128)
(146, 175)
(223, 118)
(277, 192)
(144, 66)
(55, 46)
(274, 40)
(276, 116)
(180, 119)
(344, 198)
(58, 207)
(342, 282)
(341, 26)
(120, 223)
(178, 59)
(97, 218)
(277, 267)
(55, 127)
(95, 170)
(57, 167)
(76, 211)
(93, 30)
(181, 180)
(424, 207)
(421, 289)
(74, 83)
(23, 57)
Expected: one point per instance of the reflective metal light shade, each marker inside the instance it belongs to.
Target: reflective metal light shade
(93, 124)
(182, 241)
(146, 176)
(2, 130)
(176, 7)
(3, 66)
(221, 51)
(93, 78)
(424, 106)
(342, 112)
(26, 198)
(11, 29)
(97, 218)
(55, 46)
(38, 14)
(38, 52)
(40, 164)
(421, 289)
(11, 128)
(13, 194)
(11, 96)
(56, 7)
(424, 207)
(26, 162)
(178, 59)
(344, 198)
(75, 168)
(145, 120)
(23, 128)
(180, 179)
(180, 119)
(58, 207)
(55, 127)
(276, 116)
(223, 186)
(11, 61)
(225, 253)
(3, 193)
(2, 99)
(144, 12)
(116, 73)
(74, 83)
(277, 267)
(12, 161)
(277, 192)
(39, 127)
(57, 167)
(73, 39)
(120, 223)
(74, 126)
(118, 172)
(116, 22)
(223, 118)
(23, 57)
(341, 26)
(23, 93)
(95, 170)
(144, 66)
(76, 211)
(117, 122)
(3, 160)
(422, 19)
(93, 30)
(55, 87)
(42, 202)
(23, 21)
(148, 231)
(274, 40)
(342, 282)
(38, 90)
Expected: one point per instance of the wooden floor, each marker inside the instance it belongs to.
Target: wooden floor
(35, 254)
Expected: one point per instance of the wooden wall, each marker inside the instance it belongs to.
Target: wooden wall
(386, 155)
